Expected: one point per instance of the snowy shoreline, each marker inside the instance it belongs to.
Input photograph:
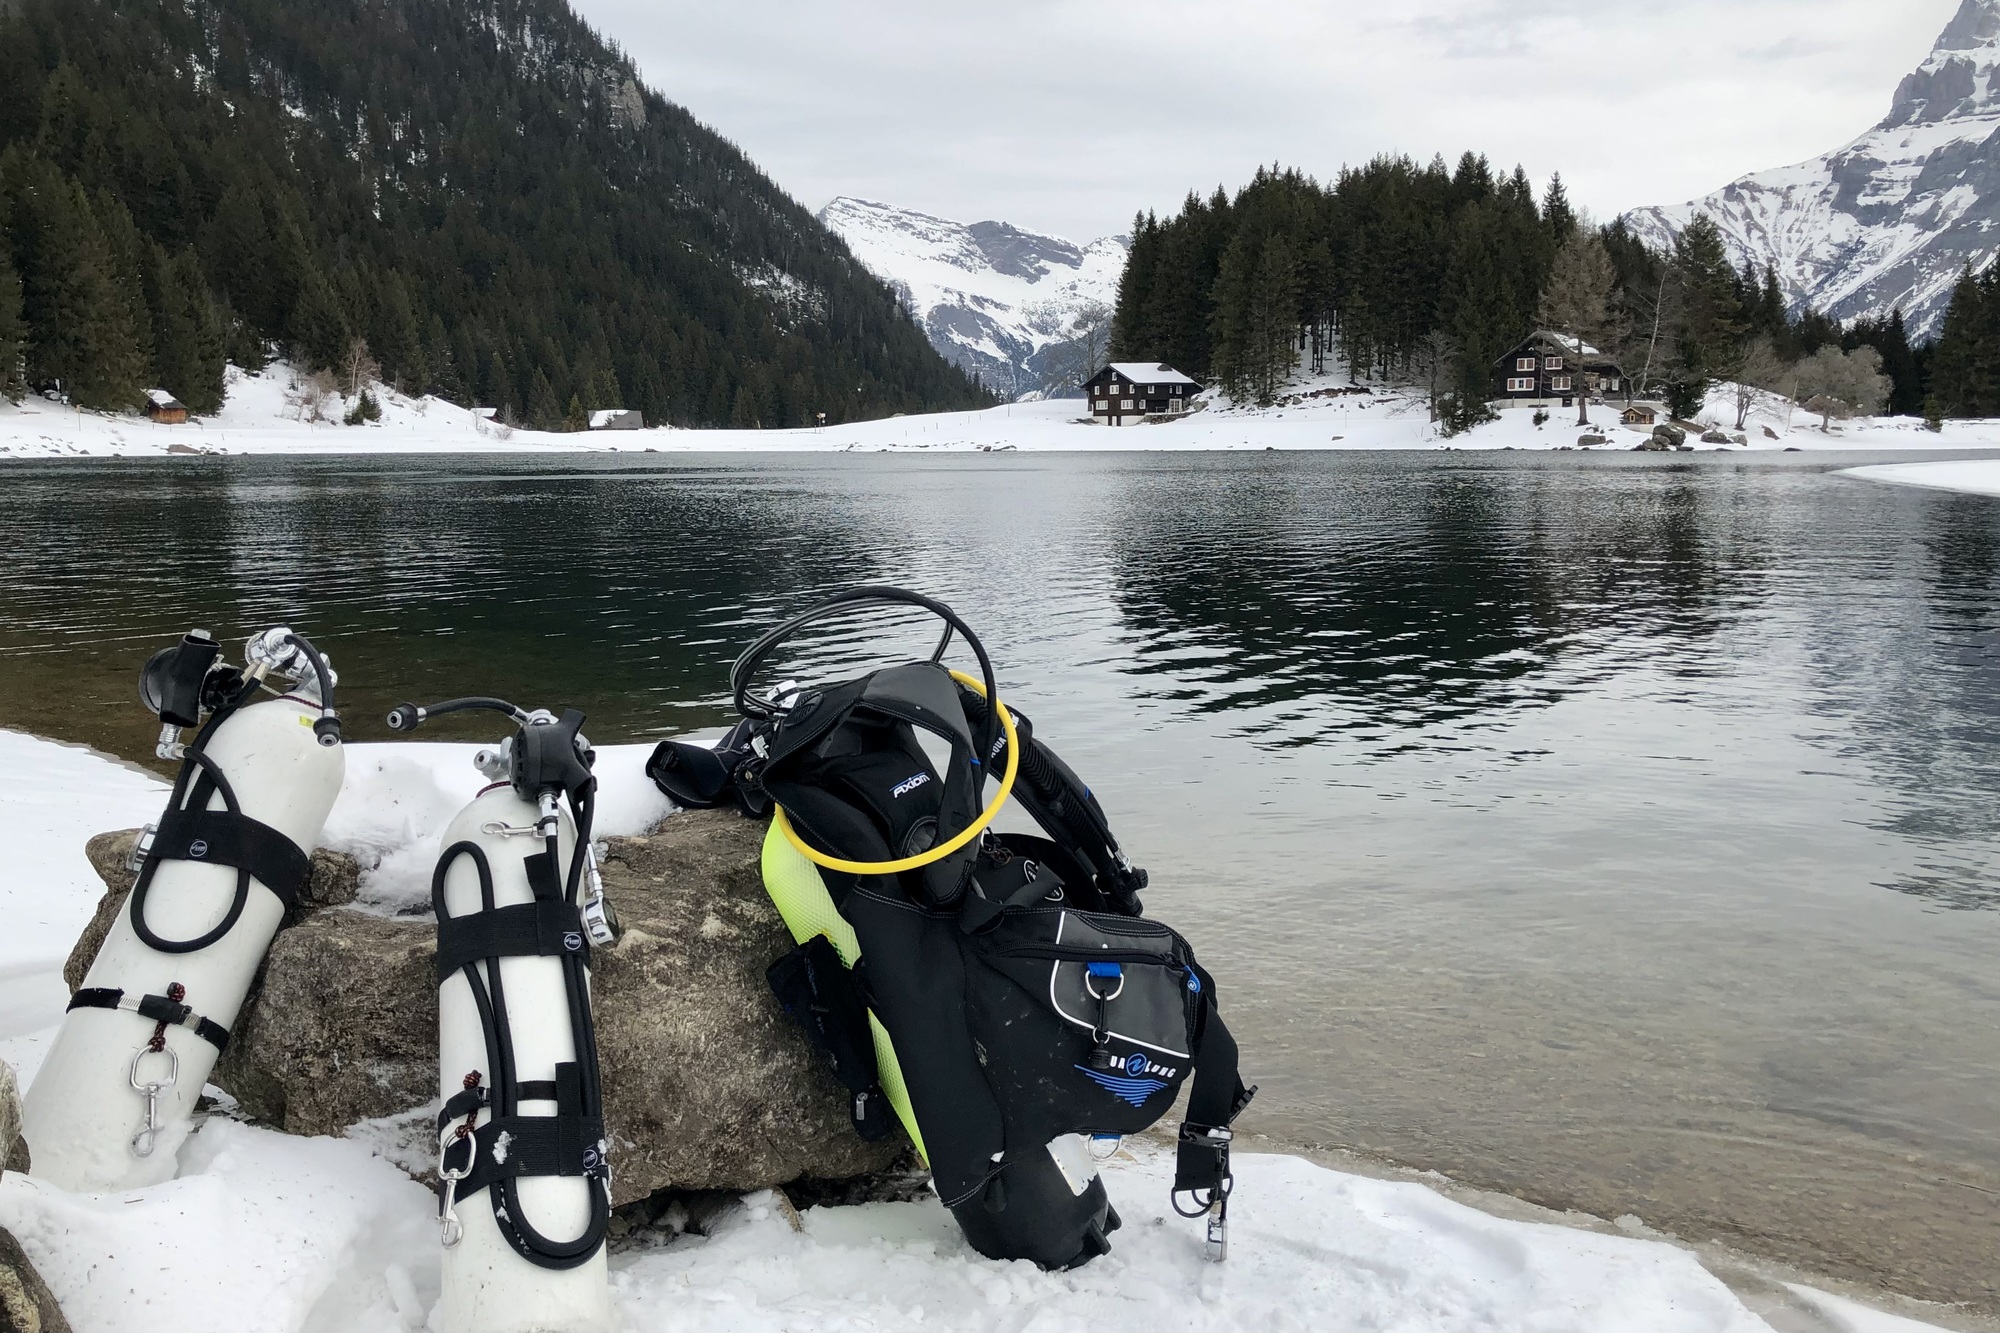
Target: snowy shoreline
(262, 416)
(326, 1236)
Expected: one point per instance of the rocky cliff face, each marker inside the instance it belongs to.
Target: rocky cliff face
(992, 298)
(1892, 218)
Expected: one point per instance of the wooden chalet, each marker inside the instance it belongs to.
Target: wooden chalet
(1546, 369)
(164, 408)
(617, 418)
(1126, 392)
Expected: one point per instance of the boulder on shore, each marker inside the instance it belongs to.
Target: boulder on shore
(26, 1305)
(707, 1084)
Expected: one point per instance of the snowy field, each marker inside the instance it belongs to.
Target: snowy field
(325, 1236)
(262, 416)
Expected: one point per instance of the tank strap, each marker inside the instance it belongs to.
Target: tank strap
(154, 1008)
(544, 928)
(226, 838)
(568, 1143)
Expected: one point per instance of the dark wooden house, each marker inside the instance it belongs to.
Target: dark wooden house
(1545, 369)
(164, 408)
(617, 418)
(1126, 392)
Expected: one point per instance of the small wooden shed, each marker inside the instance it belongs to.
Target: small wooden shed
(1640, 415)
(617, 418)
(164, 408)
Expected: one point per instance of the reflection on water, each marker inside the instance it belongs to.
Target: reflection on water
(1616, 831)
(1383, 604)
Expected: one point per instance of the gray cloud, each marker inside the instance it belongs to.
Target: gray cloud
(1070, 115)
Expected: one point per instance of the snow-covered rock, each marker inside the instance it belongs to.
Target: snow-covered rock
(991, 297)
(1892, 218)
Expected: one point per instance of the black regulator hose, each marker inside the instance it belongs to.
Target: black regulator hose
(327, 728)
(408, 717)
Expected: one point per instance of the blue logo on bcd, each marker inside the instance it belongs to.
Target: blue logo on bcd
(1135, 1064)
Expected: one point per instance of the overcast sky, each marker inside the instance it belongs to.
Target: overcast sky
(1068, 116)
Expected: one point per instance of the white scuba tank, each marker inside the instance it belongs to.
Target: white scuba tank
(86, 1115)
(489, 1287)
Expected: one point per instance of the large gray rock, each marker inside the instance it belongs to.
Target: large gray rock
(335, 880)
(13, 1148)
(708, 1085)
(26, 1304)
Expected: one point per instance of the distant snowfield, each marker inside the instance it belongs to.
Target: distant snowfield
(260, 417)
(323, 1235)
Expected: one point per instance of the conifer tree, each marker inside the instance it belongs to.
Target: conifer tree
(13, 329)
(1712, 330)
(80, 334)
(317, 327)
(544, 408)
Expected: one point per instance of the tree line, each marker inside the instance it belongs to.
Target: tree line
(1432, 274)
(475, 194)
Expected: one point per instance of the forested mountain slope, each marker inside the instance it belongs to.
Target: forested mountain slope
(479, 188)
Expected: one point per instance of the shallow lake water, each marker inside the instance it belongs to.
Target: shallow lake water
(1617, 832)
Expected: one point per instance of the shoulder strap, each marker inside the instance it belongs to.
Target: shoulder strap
(1050, 791)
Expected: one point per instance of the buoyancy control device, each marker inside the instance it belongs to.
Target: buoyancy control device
(520, 905)
(115, 1096)
(1001, 994)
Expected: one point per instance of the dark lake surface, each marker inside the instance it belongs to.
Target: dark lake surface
(1618, 832)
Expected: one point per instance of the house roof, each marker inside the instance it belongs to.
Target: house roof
(161, 398)
(1570, 345)
(1147, 372)
(604, 416)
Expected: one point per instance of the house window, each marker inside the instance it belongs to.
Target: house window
(1521, 386)
(1524, 363)
(1555, 363)
(1126, 405)
(1560, 383)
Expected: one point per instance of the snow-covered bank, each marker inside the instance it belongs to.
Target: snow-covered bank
(1979, 476)
(324, 1236)
(262, 416)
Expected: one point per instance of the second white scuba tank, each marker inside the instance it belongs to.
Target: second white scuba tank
(115, 1097)
(524, 1182)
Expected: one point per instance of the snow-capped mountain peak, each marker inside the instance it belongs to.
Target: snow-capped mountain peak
(1893, 218)
(993, 298)
(1957, 80)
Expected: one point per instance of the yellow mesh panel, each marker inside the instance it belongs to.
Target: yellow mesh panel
(802, 900)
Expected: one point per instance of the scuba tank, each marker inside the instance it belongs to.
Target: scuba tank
(115, 1098)
(1000, 994)
(519, 906)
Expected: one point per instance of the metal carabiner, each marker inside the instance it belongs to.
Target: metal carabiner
(147, 1138)
(450, 1230)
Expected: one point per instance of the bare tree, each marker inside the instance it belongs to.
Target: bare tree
(1432, 361)
(1761, 376)
(358, 369)
(1069, 363)
(1842, 384)
(312, 394)
(1576, 305)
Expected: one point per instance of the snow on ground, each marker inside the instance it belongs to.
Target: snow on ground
(1980, 476)
(262, 416)
(322, 1235)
